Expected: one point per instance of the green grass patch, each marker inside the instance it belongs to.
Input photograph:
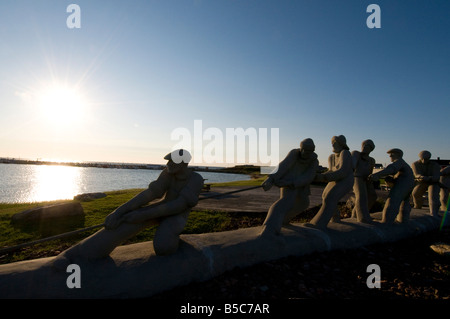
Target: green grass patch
(250, 182)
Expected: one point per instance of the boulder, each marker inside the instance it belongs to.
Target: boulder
(52, 218)
(89, 196)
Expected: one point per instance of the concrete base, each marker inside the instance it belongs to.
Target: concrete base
(134, 271)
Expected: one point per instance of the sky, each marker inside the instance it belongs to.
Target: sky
(133, 74)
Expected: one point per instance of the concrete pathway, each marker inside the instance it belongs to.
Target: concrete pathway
(255, 200)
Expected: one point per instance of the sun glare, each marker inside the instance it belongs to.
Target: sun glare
(62, 105)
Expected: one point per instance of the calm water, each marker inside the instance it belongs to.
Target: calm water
(34, 183)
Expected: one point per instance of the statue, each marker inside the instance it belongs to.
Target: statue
(340, 182)
(365, 195)
(178, 189)
(427, 174)
(294, 175)
(397, 206)
(445, 185)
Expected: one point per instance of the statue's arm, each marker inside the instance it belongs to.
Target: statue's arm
(282, 168)
(308, 176)
(136, 202)
(391, 169)
(436, 173)
(372, 164)
(356, 156)
(187, 199)
(156, 189)
(445, 171)
(165, 209)
(417, 172)
(345, 168)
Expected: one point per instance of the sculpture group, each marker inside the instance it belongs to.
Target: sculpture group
(177, 190)
(347, 171)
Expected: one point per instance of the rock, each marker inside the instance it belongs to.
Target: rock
(88, 196)
(441, 248)
(50, 219)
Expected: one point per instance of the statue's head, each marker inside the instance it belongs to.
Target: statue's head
(424, 157)
(339, 143)
(367, 146)
(395, 154)
(177, 160)
(307, 148)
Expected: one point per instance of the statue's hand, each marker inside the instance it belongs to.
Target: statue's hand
(267, 184)
(373, 177)
(285, 183)
(134, 217)
(320, 178)
(112, 221)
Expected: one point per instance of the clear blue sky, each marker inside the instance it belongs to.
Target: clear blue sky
(144, 68)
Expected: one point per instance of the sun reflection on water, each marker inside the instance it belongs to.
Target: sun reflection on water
(54, 182)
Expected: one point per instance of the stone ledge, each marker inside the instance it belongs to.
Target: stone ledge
(134, 271)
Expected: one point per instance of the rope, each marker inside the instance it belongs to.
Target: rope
(74, 232)
(232, 192)
(31, 243)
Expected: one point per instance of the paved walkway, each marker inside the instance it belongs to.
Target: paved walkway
(255, 200)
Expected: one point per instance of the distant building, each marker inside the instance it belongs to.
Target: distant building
(441, 162)
(378, 167)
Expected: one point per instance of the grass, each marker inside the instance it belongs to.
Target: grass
(250, 182)
(95, 213)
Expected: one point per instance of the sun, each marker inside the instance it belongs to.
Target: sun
(61, 105)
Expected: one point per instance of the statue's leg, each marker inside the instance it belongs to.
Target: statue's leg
(398, 194)
(354, 214)
(328, 208)
(103, 242)
(390, 210)
(301, 203)
(167, 235)
(361, 200)
(444, 197)
(355, 190)
(371, 195)
(332, 193)
(404, 211)
(276, 214)
(417, 194)
(433, 199)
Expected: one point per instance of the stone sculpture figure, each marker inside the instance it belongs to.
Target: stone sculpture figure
(340, 182)
(365, 195)
(294, 176)
(397, 206)
(177, 188)
(427, 174)
(445, 185)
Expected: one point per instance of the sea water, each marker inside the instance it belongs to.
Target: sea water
(21, 183)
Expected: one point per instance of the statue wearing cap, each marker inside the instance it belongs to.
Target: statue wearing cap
(397, 206)
(365, 195)
(340, 182)
(294, 174)
(427, 174)
(166, 202)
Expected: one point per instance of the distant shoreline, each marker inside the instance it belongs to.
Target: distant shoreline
(239, 169)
